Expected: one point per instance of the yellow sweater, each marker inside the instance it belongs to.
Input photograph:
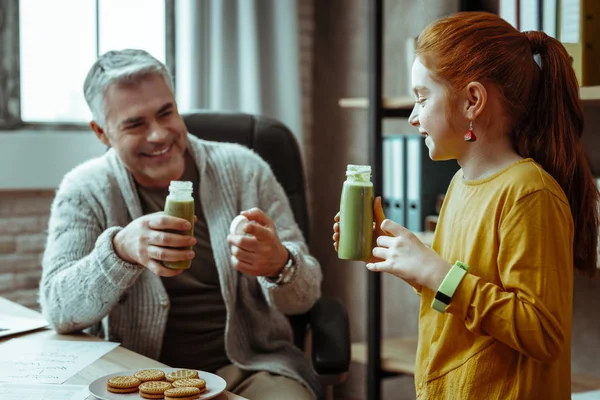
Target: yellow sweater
(507, 332)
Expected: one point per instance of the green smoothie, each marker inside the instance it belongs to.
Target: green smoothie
(356, 215)
(180, 203)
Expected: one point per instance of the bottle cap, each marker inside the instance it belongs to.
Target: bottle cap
(181, 185)
(352, 169)
(359, 173)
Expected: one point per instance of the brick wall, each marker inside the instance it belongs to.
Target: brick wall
(23, 223)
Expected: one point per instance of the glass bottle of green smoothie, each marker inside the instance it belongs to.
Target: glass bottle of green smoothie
(356, 215)
(180, 203)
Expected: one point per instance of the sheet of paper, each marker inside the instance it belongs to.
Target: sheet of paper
(47, 361)
(43, 392)
(10, 325)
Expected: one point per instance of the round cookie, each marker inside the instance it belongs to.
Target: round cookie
(154, 389)
(181, 374)
(147, 375)
(191, 382)
(152, 396)
(121, 391)
(122, 384)
(184, 393)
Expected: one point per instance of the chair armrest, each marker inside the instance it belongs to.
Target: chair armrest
(330, 330)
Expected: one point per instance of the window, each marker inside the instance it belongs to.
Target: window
(52, 45)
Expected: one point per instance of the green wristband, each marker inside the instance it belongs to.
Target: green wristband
(448, 287)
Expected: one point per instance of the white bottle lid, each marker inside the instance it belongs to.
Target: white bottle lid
(238, 224)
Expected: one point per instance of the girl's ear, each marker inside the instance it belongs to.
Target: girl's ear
(476, 99)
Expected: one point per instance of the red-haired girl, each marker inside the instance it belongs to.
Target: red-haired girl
(518, 217)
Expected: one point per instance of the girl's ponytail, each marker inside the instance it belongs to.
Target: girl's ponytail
(551, 136)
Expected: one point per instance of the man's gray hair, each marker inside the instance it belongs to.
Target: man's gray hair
(121, 67)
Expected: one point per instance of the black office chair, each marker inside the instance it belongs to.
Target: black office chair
(327, 321)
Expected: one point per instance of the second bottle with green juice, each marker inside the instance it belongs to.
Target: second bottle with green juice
(356, 215)
(180, 203)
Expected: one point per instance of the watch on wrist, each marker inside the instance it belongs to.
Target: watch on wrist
(286, 273)
(445, 292)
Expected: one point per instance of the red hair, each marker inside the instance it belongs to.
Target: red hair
(545, 115)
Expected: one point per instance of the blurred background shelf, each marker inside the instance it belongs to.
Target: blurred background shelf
(588, 94)
(398, 354)
(405, 103)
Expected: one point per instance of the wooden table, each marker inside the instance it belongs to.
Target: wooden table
(116, 360)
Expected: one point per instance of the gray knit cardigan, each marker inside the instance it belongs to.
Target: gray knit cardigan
(86, 285)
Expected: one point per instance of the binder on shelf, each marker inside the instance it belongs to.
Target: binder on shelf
(393, 178)
(414, 163)
(531, 15)
(579, 34)
(412, 182)
(529, 18)
(425, 181)
(550, 17)
(508, 11)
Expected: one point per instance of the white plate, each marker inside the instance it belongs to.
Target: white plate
(215, 385)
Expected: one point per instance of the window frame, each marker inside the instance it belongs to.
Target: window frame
(10, 74)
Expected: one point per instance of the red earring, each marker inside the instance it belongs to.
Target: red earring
(470, 136)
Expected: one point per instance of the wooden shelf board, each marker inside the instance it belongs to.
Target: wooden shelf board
(584, 383)
(392, 103)
(398, 356)
(589, 94)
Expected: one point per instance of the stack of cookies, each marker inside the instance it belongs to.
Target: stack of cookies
(123, 384)
(183, 384)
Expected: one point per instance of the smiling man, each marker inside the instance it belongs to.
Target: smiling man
(144, 128)
(108, 238)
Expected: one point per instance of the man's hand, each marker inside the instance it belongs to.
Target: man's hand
(260, 252)
(145, 242)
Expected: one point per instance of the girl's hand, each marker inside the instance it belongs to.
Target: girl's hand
(402, 254)
(379, 217)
